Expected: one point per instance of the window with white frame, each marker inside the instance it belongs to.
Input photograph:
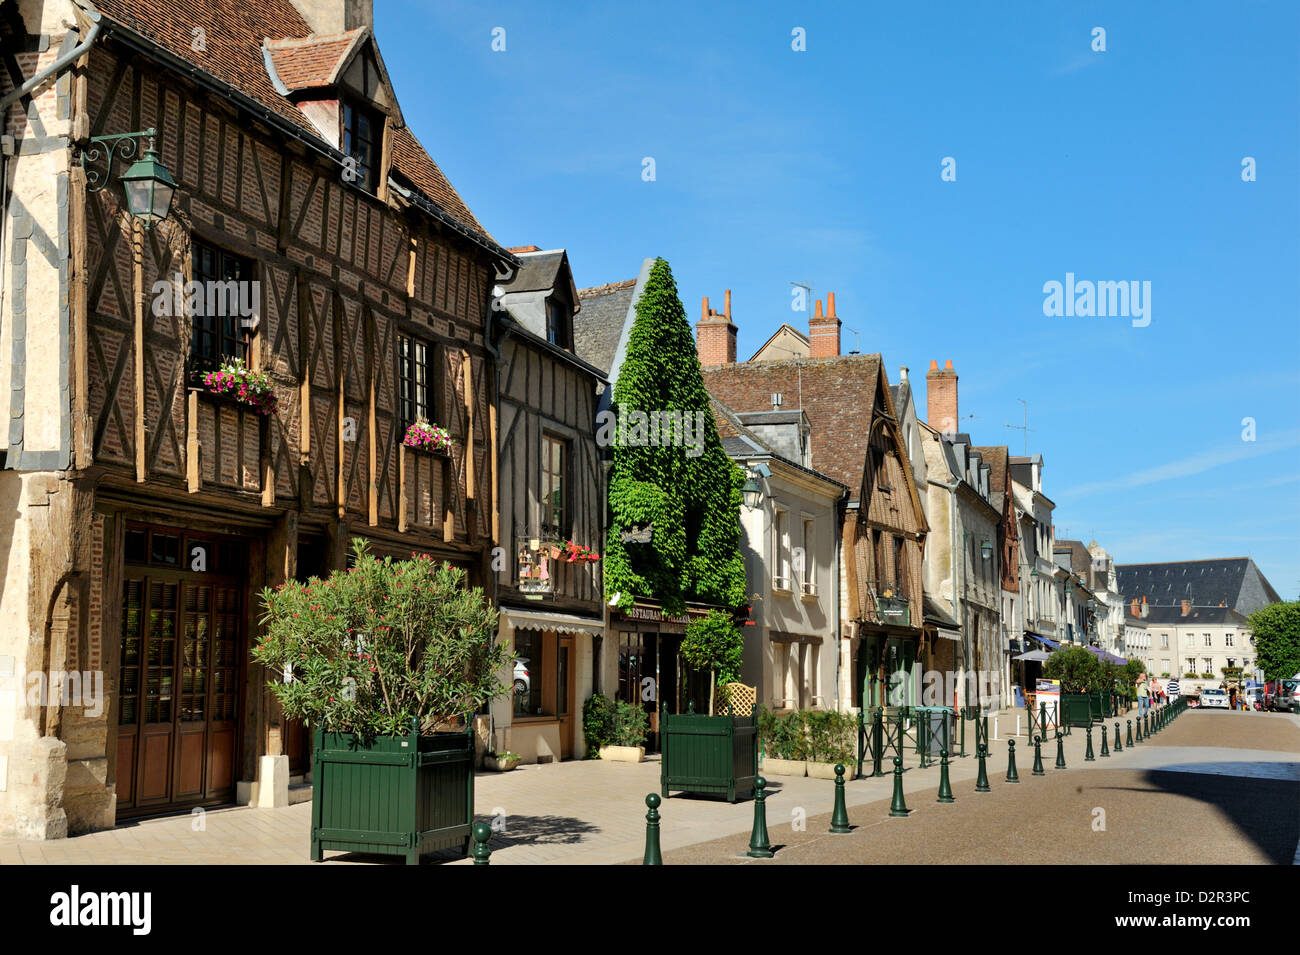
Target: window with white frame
(1227, 639)
(808, 570)
(1209, 640)
(781, 549)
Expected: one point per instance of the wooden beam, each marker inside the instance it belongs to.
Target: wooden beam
(137, 341)
(371, 429)
(467, 376)
(401, 488)
(192, 449)
(496, 501)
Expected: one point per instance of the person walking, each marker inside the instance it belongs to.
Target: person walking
(1144, 695)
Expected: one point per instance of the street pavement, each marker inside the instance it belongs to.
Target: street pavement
(1212, 787)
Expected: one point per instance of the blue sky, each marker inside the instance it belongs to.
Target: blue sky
(824, 167)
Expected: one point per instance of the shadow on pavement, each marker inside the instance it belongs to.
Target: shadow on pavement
(1261, 805)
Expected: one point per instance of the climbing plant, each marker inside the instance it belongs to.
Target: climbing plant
(688, 490)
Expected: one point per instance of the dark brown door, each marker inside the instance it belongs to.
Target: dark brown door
(178, 720)
(564, 673)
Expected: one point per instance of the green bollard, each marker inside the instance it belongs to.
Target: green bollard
(1038, 757)
(878, 747)
(982, 777)
(760, 847)
(840, 815)
(1146, 718)
(898, 807)
(1012, 775)
(945, 788)
(652, 854)
(1105, 750)
(1088, 757)
(1138, 737)
(482, 833)
(1042, 719)
(1119, 747)
(1128, 735)
(1060, 752)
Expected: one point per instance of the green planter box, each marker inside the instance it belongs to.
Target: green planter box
(396, 795)
(708, 754)
(1076, 709)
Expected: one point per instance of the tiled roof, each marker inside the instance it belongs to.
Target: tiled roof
(838, 395)
(233, 36)
(996, 458)
(309, 62)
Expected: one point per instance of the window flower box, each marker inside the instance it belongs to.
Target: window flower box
(236, 382)
(572, 553)
(426, 437)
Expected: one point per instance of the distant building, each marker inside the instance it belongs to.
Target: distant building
(1233, 582)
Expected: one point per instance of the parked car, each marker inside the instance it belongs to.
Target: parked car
(522, 681)
(1288, 695)
(1214, 698)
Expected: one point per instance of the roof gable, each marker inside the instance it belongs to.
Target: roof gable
(234, 35)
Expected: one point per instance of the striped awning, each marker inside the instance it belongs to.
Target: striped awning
(559, 622)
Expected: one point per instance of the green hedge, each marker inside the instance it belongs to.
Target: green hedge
(823, 736)
(609, 723)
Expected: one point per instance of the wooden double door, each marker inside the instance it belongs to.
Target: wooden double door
(181, 669)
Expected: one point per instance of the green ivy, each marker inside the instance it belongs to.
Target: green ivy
(692, 501)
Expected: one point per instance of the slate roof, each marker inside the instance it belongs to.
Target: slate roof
(537, 271)
(839, 396)
(234, 33)
(1233, 581)
(599, 325)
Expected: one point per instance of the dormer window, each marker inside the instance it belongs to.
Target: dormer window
(559, 324)
(362, 140)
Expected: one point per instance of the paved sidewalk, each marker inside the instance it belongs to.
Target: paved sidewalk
(593, 812)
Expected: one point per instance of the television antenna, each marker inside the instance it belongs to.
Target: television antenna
(1023, 427)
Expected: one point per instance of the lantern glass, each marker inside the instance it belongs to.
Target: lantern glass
(149, 189)
(752, 493)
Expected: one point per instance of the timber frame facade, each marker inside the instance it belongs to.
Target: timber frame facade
(144, 513)
(552, 491)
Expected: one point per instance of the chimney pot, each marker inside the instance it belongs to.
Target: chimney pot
(934, 365)
(948, 365)
(704, 308)
(902, 373)
(818, 312)
(830, 304)
(1187, 607)
(726, 308)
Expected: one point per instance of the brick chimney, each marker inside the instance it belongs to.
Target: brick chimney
(336, 16)
(1146, 610)
(824, 331)
(1135, 608)
(715, 336)
(941, 398)
(1187, 607)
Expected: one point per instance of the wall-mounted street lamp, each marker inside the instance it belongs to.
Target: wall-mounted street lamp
(986, 549)
(148, 185)
(751, 492)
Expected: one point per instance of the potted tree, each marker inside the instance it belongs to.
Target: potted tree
(1079, 671)
(386, 661)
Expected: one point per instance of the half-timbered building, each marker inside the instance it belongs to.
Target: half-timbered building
(552, 507)
(311, 238)
(854, 439)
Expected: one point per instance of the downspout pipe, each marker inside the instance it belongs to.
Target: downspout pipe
(59, 65)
